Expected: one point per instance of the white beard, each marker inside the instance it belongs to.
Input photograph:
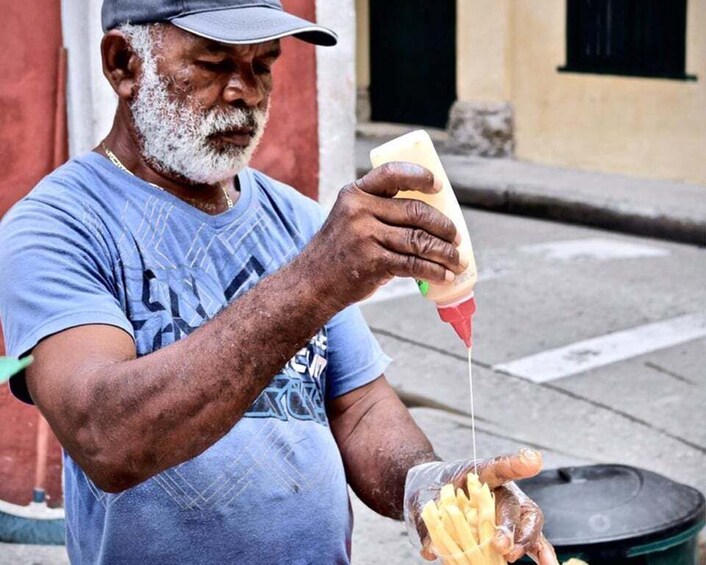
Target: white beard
(175, 137)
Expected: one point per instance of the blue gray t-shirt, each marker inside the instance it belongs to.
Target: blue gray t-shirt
(93, 245)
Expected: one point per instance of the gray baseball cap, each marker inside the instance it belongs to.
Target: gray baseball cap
(226, 21)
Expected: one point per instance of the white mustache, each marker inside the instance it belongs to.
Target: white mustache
(222, 122)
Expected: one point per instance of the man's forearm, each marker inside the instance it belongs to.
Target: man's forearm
(167, 407)
(380, 443)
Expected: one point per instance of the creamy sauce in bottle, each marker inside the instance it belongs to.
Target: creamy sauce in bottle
(456, 301)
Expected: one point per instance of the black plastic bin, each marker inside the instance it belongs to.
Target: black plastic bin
(611, 514)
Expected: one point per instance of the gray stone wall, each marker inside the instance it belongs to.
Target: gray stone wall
(482, 129)
(363, 109)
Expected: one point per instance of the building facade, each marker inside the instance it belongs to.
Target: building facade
(609, 85)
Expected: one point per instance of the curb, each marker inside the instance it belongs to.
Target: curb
(511, 201)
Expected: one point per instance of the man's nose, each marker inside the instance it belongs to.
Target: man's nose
(244, 86)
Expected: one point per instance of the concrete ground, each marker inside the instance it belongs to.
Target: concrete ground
(13, 554)
(621, 319)
(545, 286)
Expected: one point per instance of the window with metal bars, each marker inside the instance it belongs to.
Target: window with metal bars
(644, 38)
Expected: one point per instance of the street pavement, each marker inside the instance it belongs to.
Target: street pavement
(14, 554)
(585, 296)
(622, 320)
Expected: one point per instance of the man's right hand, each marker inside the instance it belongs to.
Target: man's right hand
(371, 237)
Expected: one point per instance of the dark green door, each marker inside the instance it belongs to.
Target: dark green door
(412, 61)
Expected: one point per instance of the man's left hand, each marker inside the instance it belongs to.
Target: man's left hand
(518, 518)
(514, 510)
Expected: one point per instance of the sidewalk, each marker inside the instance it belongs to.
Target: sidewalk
(16, 554)
(662, 209)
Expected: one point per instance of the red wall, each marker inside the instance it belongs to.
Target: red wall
(30, 35)
(31, 39)
(29, 59)
(290, 148)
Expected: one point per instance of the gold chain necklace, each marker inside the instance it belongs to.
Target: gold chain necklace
(113, 159)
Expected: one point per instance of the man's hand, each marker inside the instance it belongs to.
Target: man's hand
(370, 237)
(518, 518)
(515, 511)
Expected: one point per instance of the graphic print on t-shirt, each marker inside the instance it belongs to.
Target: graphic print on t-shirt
(298, 391)
(175, 300)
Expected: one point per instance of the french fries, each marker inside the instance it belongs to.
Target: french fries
(461, 524)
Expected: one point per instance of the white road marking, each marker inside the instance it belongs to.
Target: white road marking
(597, 248)
(396, 288)
(604, 350)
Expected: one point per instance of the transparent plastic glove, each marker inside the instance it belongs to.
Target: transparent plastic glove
(519, 520)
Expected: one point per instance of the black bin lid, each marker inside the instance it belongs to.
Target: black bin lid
(612, 506)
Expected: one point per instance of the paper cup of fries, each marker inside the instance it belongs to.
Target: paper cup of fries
(461, 524)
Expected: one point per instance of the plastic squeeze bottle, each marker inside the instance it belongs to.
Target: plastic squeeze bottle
(454, 301)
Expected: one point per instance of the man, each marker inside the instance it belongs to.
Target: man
(196, 349)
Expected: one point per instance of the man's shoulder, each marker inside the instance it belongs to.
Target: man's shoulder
(64, 196)
(69, 186)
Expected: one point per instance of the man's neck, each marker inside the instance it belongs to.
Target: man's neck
(209, 198)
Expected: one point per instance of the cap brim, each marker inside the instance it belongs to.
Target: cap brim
(253, 25)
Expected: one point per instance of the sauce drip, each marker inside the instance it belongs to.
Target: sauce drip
(473, 412)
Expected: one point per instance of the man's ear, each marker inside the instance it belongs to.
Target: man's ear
(121, 65)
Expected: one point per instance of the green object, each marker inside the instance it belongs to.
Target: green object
(618, 515)
(35, 524)
(681, 549)
(10, 367)
(423, 287)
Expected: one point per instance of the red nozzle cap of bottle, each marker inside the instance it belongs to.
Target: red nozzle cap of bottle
(461, 318)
